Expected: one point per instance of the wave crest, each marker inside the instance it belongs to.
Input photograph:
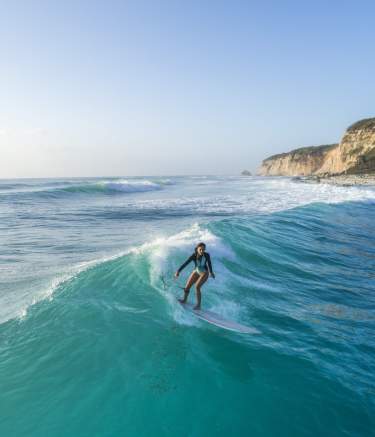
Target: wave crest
(115, 186)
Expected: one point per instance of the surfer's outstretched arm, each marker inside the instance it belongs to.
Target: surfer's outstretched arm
(209, 265)
(189, 260)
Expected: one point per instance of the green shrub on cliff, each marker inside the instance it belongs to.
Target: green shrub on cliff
(311, 150)
(366, 123)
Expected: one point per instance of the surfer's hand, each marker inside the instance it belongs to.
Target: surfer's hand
(176, 275)
(212, 275)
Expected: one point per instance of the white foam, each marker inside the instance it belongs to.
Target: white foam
(165, 182)
(263, 195)
(163, 251)
(160, 249)
(227, 309)
(48, 292)
(130, 186)
(280, 194)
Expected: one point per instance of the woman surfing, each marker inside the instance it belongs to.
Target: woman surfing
(203, 269)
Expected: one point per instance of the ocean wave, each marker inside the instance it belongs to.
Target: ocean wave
(105, 187)
(269, 272)
(114, 186)
(159, 255)
(246, 251)
(250, 195)
(57, 283)
(162, 251)
(12, 186)
(303, 276)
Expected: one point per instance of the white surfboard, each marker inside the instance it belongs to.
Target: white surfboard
(217, 320)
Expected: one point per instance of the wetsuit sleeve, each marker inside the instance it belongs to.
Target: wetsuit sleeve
(208, 258)
(189, 260)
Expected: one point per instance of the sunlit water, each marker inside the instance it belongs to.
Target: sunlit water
(92, 342)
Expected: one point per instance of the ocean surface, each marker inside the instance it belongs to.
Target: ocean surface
(93, 343)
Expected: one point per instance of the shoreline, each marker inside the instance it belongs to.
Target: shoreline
(342, 180)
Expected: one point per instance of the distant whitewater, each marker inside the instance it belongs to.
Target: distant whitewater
(92, 341)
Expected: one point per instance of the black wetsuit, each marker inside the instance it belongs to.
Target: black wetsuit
(207, 266)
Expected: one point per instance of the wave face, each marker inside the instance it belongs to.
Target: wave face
(56, 189)
(92, 341)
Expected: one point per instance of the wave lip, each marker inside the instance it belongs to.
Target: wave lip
(126, 186)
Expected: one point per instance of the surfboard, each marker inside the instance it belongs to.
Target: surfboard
(217, 320)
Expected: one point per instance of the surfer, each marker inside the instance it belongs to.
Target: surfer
(203, 268)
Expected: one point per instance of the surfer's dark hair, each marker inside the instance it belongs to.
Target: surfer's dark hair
(199, 245)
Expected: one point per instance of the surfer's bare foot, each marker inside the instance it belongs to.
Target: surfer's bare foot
(197, 307)
(186, 294)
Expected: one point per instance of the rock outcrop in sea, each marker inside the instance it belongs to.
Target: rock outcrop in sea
(355, 154)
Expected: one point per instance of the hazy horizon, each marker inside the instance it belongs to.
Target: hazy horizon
(92, 89)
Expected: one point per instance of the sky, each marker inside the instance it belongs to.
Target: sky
(126, 88)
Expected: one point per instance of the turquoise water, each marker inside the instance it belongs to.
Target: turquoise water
(92, 342)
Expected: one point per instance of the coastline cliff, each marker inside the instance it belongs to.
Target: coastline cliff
(355, 154)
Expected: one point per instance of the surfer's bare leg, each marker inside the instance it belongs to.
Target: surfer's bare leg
(202, 279)
(190, 282)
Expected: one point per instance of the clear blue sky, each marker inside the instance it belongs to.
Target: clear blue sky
(91, 88)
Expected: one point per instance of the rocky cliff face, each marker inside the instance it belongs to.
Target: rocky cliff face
(355, 154)
(299, 162)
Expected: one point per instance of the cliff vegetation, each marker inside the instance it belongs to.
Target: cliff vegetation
(355, 154)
